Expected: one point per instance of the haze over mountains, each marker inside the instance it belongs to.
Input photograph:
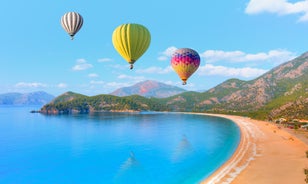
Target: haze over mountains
(149, 88)
(35, 98)
(281, 92)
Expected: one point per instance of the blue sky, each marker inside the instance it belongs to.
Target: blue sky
(235, 39)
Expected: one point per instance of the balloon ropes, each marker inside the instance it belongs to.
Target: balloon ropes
(131, 41)
(185, 62)
(71, 23)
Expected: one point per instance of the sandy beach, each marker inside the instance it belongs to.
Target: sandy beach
(266, 155)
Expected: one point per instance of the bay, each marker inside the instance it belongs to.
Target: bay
(146, 147)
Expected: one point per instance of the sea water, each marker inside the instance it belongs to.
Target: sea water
(146, 147)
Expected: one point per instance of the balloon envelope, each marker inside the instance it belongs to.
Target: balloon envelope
(131, 41)
(72, 23)
(185, 62)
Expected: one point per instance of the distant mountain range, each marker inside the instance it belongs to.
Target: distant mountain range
(149, 88)
(281, 92)
(35, 98)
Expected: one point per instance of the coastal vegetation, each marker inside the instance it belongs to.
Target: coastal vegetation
(281, 92)
(71, 102)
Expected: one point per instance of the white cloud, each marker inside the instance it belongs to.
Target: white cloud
(219, 55)
(179, 83)
(120, 67)
(30, 85)
(162, 58)
(134, 78)
(81, 64)
(97, 82)
(116, 85)
(165, 55)
(280, 7)
(155, 70)
(102, 60)
(93, 75)
(245, 72)
(62, 85)
(276, 56)
(169, 82)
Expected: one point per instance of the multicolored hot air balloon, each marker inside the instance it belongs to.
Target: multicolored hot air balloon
(185, 62)
(131, 41)
(71, 23)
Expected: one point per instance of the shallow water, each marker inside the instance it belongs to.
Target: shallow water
(112, 147)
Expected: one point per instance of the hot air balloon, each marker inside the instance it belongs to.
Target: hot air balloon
(185, 62)
(71, 23)
(131, 41)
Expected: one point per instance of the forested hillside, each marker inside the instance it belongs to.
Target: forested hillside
(281, 92)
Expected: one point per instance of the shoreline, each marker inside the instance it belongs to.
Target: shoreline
(265, 154)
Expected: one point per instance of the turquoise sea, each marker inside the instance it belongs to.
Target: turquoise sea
(147, 147)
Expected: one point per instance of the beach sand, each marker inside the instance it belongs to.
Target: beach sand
(266, 155)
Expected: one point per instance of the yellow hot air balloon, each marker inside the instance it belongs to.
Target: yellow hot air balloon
(131, 41)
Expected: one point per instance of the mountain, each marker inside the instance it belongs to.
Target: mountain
(149, 88)
(281, 92)
(71, 102)
(68, 96)
(34, 98)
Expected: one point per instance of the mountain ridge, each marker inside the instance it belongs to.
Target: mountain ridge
(33, 98)
(280, 92)
(149, 88)
(261, 93)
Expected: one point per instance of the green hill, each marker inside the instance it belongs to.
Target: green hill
(281, 92)
(76, 103)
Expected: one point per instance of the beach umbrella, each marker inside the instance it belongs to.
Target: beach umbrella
(72, 23)
(185, 62)
(131, 41)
